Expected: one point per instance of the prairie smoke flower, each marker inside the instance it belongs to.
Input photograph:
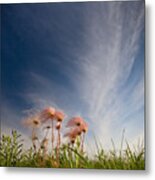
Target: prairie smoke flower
(72, 135)
(33, 122)
(59, 116)
(47, 114)
(80, 127)
(79, 122)
(58, 125)
(75, 121)
(84, 127)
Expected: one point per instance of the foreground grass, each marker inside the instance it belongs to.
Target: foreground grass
(13, 155)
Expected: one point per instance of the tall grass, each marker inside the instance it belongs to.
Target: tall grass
(12, 154)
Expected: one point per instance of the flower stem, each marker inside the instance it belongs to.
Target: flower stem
(52, 137)
(33, 141)
(82, 144)
(58, 146)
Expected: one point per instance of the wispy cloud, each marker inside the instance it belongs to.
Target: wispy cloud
(112, 47)
(102, 67)
(95, 73)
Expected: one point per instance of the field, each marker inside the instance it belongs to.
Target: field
(12, 154)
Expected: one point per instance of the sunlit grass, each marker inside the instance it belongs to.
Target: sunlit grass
(12, 154)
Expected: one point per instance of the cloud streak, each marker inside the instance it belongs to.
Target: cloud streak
(94, 79)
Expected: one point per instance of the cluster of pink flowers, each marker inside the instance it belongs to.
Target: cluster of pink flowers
(51, 119)
(78, 128)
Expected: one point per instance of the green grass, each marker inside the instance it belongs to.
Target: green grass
(13, 155)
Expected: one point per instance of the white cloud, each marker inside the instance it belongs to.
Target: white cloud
(112, 49)
(111, 46)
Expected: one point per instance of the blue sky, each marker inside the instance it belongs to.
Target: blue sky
(84, 58)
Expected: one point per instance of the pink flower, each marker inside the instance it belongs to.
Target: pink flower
(48, 114)
(58, 125)
(79, 122)
(73, 133)
(33, 121)
(59, 116)
(84, 127)
(75, 121)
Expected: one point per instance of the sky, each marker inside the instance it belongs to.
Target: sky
(86, 59)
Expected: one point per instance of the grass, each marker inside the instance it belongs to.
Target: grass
(12, 154)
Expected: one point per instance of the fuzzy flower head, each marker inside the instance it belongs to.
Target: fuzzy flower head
(72, 135)
(33, 122)
(78, 122)
(84, 127)
(75, 121)
(59, 116)
(58, 125)
(48, 114)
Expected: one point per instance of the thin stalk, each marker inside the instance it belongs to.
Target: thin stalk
(52, 136)
(59, 138)
(46, 134)
(33, 141)
(82, 144)
(58, 146)
(45, 152)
